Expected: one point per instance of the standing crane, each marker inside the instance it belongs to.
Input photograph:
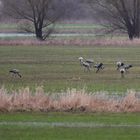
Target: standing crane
(84, 64)
(119, 64)
(89, 61)
(99, 67)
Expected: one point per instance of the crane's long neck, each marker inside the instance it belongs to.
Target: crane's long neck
(81, 61)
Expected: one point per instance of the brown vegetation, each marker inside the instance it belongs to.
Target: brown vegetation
(71, 101)
(78, 42)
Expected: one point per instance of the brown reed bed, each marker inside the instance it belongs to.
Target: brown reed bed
(71, 101)
(121, 42)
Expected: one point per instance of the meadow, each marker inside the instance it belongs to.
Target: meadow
(53, 67)
(59, 27)
(57, 68)
(61, 126)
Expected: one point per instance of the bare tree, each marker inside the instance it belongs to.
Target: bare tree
(41, 13)
(122, 15)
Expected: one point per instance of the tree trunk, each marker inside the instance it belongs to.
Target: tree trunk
(38, 32)
(131, 36)
(131, 33)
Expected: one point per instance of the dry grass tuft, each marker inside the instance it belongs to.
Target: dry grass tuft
(72, 100)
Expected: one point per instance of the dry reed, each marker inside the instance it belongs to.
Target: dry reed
(75, 41)
(72, 100)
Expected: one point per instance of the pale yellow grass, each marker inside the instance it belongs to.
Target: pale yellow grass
(73, 100)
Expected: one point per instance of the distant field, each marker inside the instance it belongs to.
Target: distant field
(57, 26)
(57, 68)
(8, 26)
(61, 28)
(62, 126)
(76, 26)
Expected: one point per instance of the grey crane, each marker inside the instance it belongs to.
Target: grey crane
(127, 67)
(99, 67)
(81, 59)
(84, 64)
(15, 72)
(122, 71)
(89, 61)
(119, 64)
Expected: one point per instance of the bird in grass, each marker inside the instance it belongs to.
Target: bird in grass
(81, 59)
(119, 64)
(89, 61)
(122, 71)
(84, 64)
(127, 67)
(99, 67)
(15, 72)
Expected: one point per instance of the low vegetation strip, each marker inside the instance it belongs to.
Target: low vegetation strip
(71, 101)
(68, 124)
(77, 41)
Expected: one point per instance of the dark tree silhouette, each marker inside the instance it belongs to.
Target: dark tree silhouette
(41, 13)
(122, 15)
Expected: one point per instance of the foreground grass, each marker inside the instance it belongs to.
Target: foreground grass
(62, 133)
(57, 68)
(99, 118)
(18, 130)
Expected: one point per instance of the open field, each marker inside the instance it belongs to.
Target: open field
(68, 31)
(54, 63)
(59, 27)
(57, 68)
(62, 126)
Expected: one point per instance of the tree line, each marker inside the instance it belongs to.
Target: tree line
(114, 15)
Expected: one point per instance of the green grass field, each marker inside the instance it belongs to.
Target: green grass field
(62, 126)
(57, 68)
